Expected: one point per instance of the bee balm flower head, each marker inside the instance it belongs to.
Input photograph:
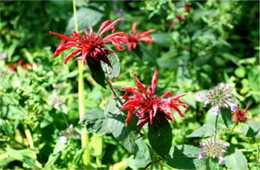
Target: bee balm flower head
(134, 37)
(91, 45)
(146, 105)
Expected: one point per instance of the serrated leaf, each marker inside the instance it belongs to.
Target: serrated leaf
(160, 136)
(204, 131)
(94, 121)
(227, 117)
(185, 157)
(236, 160)
(113, 71)
(87, 17)
(126, 135)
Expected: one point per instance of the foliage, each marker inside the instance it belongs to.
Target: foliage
(197, 45)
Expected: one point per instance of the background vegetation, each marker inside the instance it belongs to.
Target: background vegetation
(194, 49)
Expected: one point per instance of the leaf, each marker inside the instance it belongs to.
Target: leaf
(86, 17)
(204, 131)
(160, 136)
(77, 157)
(59, 147)
(29, 162)
(52, 159)
(142, 157)
(227, 117)
(252, 129)
(6, 128)
(236, 160)
(240, 72)
(147, 54)
(126, 135)
(185, 157)
(97, 72)
(113, 71)
(163, 39)
(95, 122)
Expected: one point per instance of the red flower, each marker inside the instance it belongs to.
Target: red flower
(240, 116)
(180, 18)
(19, 63)
(147, 106)
(133, 38)
(91, 45)
(187, 7)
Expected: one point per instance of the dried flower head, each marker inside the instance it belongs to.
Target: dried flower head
(147, 106)
(219, 97)
(240, 115)
(213, 148)
(91, 45)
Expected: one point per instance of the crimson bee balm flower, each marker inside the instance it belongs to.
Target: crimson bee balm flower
(240, 115)
(133, 38)
(146, 105)
(91, 45)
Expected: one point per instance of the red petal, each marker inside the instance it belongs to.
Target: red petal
(139, 85)
(71, 54)
(128, 116)
(134, 27)
(155, 107)
(104, 24)
(64, 37)
(154, 81)
(110, 26)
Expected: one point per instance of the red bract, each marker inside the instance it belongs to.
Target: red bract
(133, 38)
(239, 115)
(91, 44)
(146, 105)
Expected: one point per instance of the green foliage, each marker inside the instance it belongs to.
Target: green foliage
(209, 45)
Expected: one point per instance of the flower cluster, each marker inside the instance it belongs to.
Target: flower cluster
(214, 148)
(219, 97)
(69, 133)
(91, 45)
(134, 37)
(147, 106)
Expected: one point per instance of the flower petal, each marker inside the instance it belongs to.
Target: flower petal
(154, 81)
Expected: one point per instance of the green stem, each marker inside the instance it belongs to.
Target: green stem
(31, 143)
(216, 127)
(85, 137)
(113, 91)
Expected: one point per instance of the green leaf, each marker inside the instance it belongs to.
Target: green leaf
(236, 160)
(126, 135)
(86, 17)
(185, 157)
(29, 162)
(227, 117)
(163, 39)
(113, 71)
(59, 147)
(6, 128)
(204, 131)
(52, 159)
(160, 136)
(142, 157)
(97, 72)
(95, 122)
(252, 129)
(240, 72)
(78, 156)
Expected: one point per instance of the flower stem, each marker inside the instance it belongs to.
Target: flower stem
(113, 90)
(216, 127)
(85, 137)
